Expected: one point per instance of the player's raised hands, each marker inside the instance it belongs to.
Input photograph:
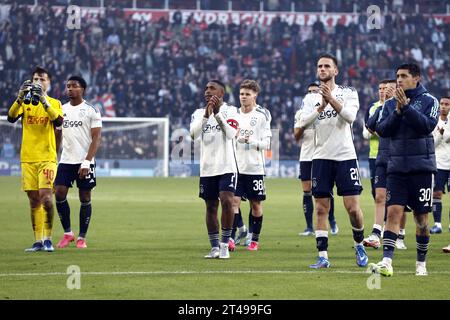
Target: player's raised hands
(325, 91)
(24, 88)
(215, 102)
(323, 105)
(208, 110)
(401, 98)
(39, 91)
(390, 91)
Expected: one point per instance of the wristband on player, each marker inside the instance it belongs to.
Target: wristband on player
(86, 164)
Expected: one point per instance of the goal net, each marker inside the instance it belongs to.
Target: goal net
(130, 147)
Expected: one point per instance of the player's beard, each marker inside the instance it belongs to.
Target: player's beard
(325, 79)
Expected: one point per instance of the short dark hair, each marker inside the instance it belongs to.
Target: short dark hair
(445, 97)
(41, 70)
(220, 83)
(315, 84)
(251, 85)
(384, 81)
(80, 80)
(329, 56)
(413, 69)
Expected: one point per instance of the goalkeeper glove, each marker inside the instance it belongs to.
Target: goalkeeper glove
(38, 91)
(24, 89)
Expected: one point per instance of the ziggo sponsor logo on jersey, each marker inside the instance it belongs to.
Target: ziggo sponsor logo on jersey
(245, 133)
(71, 124)
(327, 114)
(216, 128)
(37, 120)
(211, 128)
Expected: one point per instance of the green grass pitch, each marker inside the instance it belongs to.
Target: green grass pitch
(147, 240)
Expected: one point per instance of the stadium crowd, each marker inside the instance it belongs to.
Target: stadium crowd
(160, 69)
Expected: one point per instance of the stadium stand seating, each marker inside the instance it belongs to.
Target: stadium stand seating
(159, 69)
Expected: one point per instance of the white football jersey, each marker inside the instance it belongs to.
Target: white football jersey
(442, 145)
(333, 132)
(217, 149)
(307, 139)
(76, 131)
(266, 112)
(256, 126)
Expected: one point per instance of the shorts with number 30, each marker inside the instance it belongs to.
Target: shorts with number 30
(38, 175)
(413, 189)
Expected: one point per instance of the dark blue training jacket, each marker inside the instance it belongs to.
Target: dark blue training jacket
(411, 146)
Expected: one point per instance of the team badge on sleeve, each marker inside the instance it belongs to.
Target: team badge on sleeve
(233, 123)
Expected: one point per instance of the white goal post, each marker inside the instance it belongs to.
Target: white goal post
(130, 147)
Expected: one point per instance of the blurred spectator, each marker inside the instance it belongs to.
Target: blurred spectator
(158, 69)
(7, 150)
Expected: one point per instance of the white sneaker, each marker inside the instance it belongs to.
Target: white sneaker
(213, 254)
(307, 232)
(382, 268)
(224, 253)
(421, 270)
(372, 241)
(248, 240)
(400, 244)
(241, 235)
(335, 230)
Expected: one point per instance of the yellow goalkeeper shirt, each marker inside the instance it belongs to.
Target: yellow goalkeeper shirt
(38, 135)
(374, 140)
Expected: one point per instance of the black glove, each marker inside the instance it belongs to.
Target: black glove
(38, 91)
(24, 88)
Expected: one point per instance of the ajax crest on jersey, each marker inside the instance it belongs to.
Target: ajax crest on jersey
(416, 105)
